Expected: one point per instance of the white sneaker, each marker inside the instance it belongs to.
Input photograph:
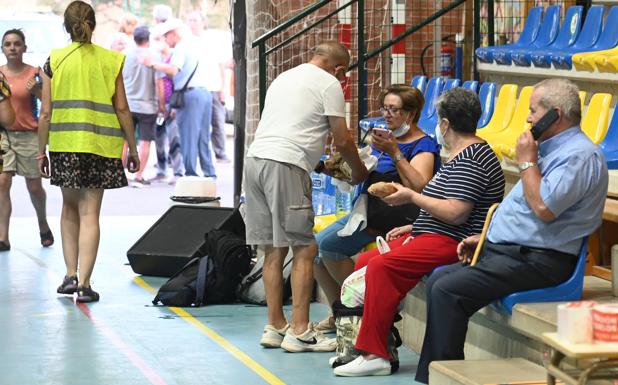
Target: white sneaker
(309, 341)
(361, 367)
(271, 337)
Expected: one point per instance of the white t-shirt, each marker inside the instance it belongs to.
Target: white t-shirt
(294, 122)
(216, 48)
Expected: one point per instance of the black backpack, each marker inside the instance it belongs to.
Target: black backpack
(186, 287)
(213, 276)
(230, 258)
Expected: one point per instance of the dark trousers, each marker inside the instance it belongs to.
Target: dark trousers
(217, 134)
(456, 292)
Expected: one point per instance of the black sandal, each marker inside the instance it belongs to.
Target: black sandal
(86, 294)
(68, 286)
(47, 238)
(5, 246)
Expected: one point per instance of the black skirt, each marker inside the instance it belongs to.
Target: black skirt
(82, 170)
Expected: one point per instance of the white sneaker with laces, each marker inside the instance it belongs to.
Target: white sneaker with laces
(309, 341)
(271, 337)
(360, 367)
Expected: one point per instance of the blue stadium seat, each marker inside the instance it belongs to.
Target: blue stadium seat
(540, 55)
(588, 37)
(528, 35)
(570, 290)
(547, 34)
(451, 83)
(487, 96)
(428, 119)
(607, 40)
(420, 82)
(471, 85)
(609, 145)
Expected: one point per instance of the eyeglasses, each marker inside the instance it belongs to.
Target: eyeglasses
(390, 110)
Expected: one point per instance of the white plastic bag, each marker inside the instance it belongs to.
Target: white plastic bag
(353, 288)
(382, 245)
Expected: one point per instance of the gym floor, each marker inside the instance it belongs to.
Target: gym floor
(45, 338)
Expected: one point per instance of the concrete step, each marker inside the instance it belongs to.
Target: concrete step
(485, 372)
(495, 335)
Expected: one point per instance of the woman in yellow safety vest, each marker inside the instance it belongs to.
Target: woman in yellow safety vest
(85, 119)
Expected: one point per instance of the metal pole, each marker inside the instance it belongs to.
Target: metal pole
(240, 93)
(362, 71)
(477, 35)
(490, 22)
(262, 74)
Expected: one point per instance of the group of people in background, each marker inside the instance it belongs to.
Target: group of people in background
(433, 215)
(173, 56)
(75, 121)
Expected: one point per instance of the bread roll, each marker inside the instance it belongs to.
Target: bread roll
(382, 189)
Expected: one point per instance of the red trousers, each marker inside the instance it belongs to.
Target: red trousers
(388, 279)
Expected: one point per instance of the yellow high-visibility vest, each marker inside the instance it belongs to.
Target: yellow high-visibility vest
(83, 117)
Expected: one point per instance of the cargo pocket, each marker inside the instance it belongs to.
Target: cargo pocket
(299, 219)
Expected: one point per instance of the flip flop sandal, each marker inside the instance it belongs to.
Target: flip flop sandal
(5, 246)
(47, 239)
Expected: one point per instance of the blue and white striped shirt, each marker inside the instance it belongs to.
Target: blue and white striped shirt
(473, 175)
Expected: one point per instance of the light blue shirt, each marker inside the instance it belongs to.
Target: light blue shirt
(573, 187)
(186, 58)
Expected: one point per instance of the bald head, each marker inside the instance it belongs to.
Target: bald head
(332, 52)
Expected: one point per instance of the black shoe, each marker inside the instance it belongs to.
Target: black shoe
(68, 286)
(86, 294)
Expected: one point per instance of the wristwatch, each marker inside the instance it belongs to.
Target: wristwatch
(525, 165)
(398, 156)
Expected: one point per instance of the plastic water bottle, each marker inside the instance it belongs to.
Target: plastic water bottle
(318, 182)
(36, 102)
(343, 202)
(330, 191)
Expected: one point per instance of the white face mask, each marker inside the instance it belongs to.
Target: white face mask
(440, 137)
(401, 130)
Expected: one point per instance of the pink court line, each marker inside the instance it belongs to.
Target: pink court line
(135, 359)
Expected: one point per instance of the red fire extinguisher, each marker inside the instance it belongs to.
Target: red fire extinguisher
(447, 59)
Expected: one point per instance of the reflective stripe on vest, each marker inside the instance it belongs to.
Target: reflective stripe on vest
(83, 117)
(87, 104)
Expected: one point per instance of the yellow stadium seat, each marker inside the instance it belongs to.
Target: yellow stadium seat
(370, 246)
(502, 142)
(596, 121)
(321, 222)
(607, 62)
(586, 61)
(508, 149)
(503, 111)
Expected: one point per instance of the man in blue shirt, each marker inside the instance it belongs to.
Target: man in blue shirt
(536, 233)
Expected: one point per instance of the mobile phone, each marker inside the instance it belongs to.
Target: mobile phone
(544, 123)
(381, 132)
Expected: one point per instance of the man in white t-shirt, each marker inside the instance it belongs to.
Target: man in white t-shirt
(302, 106)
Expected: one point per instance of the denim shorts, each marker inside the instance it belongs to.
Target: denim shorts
(335, 247)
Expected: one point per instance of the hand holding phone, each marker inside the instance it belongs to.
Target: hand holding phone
(544, 123)
(383, 133)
